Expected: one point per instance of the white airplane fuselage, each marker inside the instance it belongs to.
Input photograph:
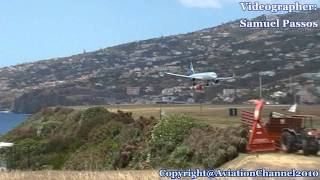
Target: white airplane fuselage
(204, 76)
(208, 77)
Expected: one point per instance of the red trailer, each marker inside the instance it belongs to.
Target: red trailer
(281, 132)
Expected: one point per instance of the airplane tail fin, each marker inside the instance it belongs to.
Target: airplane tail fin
(190, 70)
(293, 108)
(234, 76)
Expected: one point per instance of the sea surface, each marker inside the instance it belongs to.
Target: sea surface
(10, 120)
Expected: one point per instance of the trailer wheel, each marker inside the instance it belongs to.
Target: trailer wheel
(287, 142)
(310, 147)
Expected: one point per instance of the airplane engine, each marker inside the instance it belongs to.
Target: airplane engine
(216, 81)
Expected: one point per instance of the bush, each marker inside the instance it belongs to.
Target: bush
(95, 114)
(100, 133)
(170, 132)
(22, 153)
(232, 152)
(124, 117)
(215, 159)
(180, 157)
(214, 146)
(47, 128)
(92, 117)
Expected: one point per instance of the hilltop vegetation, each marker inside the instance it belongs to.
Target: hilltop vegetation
(96, 139)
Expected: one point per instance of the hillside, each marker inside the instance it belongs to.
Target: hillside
(103, 76)
(96, 139)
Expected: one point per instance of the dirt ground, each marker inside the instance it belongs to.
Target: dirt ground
(274, 161)
(269, 161)
(83, 175)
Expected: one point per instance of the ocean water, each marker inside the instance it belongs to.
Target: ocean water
(10, 120)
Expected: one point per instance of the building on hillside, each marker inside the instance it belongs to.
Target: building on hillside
(133, 91)
(306, 97)
(238, 92)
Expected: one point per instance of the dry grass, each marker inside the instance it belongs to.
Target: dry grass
(270, 161)
(81, 175)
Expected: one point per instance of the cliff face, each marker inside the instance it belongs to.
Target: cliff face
(103, 76)
(67, 96)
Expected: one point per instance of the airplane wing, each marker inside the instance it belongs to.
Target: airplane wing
(225, 78)
(178, 75)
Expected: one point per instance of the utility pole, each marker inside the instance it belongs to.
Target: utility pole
(290, 82)
(292, 91)
(234, 93)
(294, 97)
(260, 85)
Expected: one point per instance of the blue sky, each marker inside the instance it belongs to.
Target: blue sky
(33, 30)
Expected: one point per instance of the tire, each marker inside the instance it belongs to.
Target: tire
(287, 141)
(310, 147)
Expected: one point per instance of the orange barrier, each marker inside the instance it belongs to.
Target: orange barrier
(259, 139)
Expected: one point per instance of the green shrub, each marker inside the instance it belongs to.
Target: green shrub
(132, 134)
(166, 136)
(124, 117)
(23, 152)
(232, 152)
(215, 159)
(95, 114)
(61, 143)
(47, 128)
(91, 118)
(170, 132)
(212, 147)
(100, 133)
(180, 157)
(57, 160)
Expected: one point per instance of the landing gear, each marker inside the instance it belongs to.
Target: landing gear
(199, 87)
(194, 82)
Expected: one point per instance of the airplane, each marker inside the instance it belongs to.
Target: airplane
(208, 77)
